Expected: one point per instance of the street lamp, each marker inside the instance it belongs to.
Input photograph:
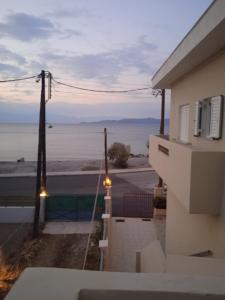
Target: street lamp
(43, 192)
(107, 182)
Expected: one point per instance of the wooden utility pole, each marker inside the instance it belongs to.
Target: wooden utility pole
(41, 159)
(162, 125)
(43, 133)
(106, 152)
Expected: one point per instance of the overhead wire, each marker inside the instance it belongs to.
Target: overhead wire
(83, 94)
(81, 91)
(100, 91)
(18, 79)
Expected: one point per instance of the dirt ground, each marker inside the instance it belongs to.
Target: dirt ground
(59, 251)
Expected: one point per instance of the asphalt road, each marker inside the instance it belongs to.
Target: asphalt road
(138, 182)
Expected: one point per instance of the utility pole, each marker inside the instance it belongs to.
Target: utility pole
(106, 152)
(162, 124)
(41, 159)
(44, 179)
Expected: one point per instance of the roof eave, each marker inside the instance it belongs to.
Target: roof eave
(205, 39)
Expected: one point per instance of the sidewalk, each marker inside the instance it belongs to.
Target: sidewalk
(68, 227)
(114, 171)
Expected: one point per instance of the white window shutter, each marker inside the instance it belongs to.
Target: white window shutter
(197, 125)
(184, 123)
(216, 116)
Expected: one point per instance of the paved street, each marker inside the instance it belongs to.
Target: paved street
(79, 184)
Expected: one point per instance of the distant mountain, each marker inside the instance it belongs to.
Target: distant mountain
(129, 121)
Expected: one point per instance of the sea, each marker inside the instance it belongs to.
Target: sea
(71, 141)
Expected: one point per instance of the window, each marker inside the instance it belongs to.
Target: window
(208, 117)
(184, 124)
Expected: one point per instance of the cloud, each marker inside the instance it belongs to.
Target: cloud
(7, 55)
(35, 66)
(70, 13)
(26, 27)
(11, 70)
(68, 33)
(106, 66)
(12, 64)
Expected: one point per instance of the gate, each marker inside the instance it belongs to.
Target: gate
(73, 207)
(138, 205)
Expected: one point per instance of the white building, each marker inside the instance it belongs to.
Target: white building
(192, 161)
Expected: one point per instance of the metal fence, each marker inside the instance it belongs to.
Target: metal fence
(137, 205)
(73, 207)
(7, 201)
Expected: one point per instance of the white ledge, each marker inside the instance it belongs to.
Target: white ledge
(103, 244)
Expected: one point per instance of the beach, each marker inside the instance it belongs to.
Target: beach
(13, 167)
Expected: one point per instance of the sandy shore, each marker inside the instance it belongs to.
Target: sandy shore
(66, 166)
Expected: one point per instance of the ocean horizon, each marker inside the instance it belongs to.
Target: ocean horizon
(72, 141)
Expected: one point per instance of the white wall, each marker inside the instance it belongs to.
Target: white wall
(187, 233)
(178, 264)
(21, 214)
(152, 258)
(16, 214)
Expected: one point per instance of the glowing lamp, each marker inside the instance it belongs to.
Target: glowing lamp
(43, 192)
(107, 182)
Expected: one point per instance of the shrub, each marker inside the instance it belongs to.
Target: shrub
(119, 154)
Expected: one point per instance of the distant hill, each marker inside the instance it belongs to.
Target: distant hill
(129, 121)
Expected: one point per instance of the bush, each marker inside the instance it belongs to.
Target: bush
(119, 154)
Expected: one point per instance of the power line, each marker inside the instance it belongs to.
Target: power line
(100, 91)
(18, 79)
(59, 93)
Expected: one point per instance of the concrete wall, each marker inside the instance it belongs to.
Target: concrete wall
(21, 214)
(195, 176)
(16, 214)
(65, 284)
(152, 258)
(187, 233)
(178, 264)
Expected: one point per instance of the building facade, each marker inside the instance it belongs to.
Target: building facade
(192, 161)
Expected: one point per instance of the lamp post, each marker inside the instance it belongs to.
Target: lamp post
(108, 209)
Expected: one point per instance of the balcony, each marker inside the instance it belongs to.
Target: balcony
(68, 284)
(195, 176)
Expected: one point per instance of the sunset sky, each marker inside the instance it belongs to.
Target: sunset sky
(98, 44)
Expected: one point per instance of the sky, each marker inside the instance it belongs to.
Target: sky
(97, 44)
